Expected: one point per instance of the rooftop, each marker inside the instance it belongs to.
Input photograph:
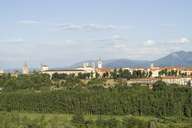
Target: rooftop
(60, 69)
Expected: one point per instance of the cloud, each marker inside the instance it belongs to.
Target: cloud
(182, 40)
(90, 27)
(28, 22)
(179, 41)
(119, 42)
(134, 52)
(76, 27)
(150, 50)
(149, 43)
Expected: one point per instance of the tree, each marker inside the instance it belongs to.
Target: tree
(152, 124)
(187, 111)
(159, 85)
(97, 75)
(114, 74)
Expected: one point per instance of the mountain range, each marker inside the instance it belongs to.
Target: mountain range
(180, 58)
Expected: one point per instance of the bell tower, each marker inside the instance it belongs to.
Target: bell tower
(99, 63)
(25, 69)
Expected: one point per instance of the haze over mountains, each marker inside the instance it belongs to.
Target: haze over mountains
(180, 58)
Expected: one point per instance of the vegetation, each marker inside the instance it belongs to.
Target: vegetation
(162, 100)
(166, 72)
(115, 74)
(35, 81)
(167, 105)
(34, 120)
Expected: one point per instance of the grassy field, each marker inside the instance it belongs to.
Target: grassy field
(66, 119)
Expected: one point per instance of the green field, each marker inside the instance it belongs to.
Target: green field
(56, 120)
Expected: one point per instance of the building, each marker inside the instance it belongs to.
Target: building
(164, 71)
(168, 79)
(25, 69)
(99, 63)
(102, 71)
(1, 71)
(63, 71)
(187, 71)
(177, 80)
(15, 73)
(154, 70)
(86, 68)
(45, 69)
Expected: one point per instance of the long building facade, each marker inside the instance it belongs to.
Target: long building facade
(86, 68)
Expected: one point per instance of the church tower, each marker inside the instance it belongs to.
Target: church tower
(99, 63)
(25, 69)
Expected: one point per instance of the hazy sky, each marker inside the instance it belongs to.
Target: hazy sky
(62, 32)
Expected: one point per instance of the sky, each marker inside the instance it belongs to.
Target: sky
(60, 33)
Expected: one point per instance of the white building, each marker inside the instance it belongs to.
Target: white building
(99, 63)
(45, 69)
(154, 70)
(63, 71)
(187, 71)
(1, 71)
(177, 80)
(86, 68)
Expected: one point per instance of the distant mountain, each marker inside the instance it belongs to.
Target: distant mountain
(116, 63)
(80, 64)
(126, 63)
(180, 58)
